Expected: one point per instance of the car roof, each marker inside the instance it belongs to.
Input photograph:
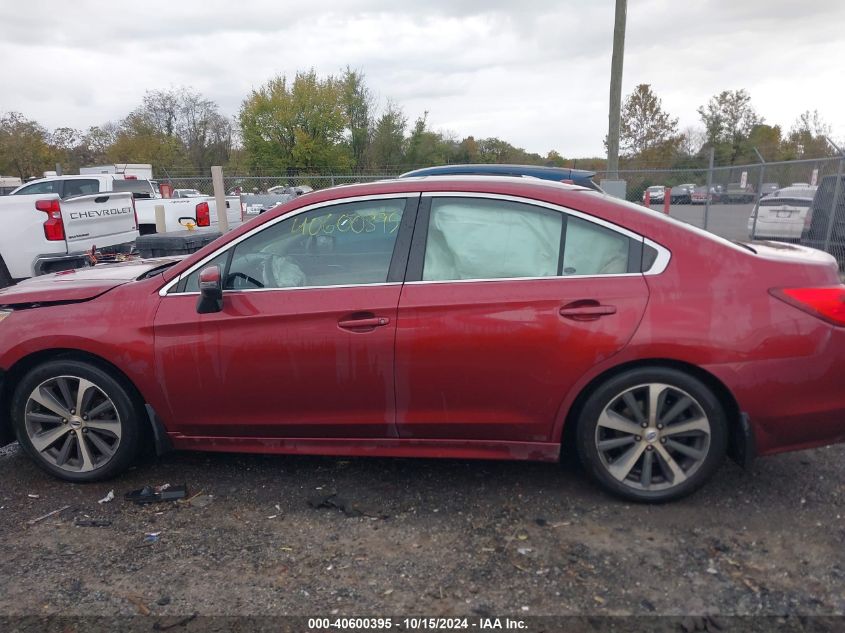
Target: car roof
(540, 171)
(478, 178)
(75, 177)
(794, 192)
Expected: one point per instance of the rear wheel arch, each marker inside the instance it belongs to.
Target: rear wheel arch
(737, 442)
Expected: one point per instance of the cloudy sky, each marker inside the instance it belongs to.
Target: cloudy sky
(534, 72)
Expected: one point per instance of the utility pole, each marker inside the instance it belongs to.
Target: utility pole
(616, 90)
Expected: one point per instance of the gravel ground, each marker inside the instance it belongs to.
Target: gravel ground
(424, 537)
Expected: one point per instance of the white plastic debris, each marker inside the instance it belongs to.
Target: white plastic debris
(108, 498)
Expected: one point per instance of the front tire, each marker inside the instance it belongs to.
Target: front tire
(76, 421)
(652, 434)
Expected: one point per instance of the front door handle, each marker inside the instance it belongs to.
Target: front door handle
(588, 310)
(363, 323)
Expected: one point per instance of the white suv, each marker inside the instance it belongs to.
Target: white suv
(783, 214)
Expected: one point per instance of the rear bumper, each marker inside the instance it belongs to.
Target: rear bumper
(776, 230)
(792, 403)
(44, 264)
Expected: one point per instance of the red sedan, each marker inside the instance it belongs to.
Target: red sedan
(437, 317)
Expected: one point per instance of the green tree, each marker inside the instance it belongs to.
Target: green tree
(93, 147)
(807, 137)
(646, 126)
(138, 145)
(386, 148)
(767, 139)
(728, 120)
(64, 142)
(185, 116)
(24, 147)
(468, 151)
(554, 159)
(425, 147)
(357, 106)
(299, 124)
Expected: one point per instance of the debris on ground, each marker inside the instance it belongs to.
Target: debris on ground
(333, 501)
(92, 523)
(150, 494)
(151, 537)
(34, 496)
(108, 498)
(200, 500)
(770, 560)
(46, 516)
(158, 626)
(139, 604)
(691, 624)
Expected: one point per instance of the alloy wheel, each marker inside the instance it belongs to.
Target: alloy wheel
(653, 437)
(72, 423)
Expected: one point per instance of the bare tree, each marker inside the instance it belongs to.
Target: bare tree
(645, 124)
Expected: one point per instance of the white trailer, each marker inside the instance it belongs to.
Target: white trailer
(143, 171)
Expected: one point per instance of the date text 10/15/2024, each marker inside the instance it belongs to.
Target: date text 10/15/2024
(416, 624)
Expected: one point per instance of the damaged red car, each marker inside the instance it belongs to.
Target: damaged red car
(458, 317)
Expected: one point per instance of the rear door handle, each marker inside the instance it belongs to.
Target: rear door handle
(363, 323)
(586, 311)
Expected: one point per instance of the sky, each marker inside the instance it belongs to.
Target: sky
(533, 72)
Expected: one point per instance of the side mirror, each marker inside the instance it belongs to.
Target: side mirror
(211, 291)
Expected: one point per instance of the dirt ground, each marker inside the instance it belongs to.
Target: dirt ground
(424, 537)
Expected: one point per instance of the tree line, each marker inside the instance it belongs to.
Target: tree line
(335, 124)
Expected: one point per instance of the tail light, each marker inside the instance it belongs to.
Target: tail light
(203, 214)
(130, 177)
(827, 302)
(135, 212)
(54, 227)
(808, 220)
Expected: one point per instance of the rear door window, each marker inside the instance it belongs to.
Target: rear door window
(80, 187)
(592, 249)
(140, 189)
(477, 238)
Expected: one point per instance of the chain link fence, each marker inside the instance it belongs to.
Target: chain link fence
(265, 184)
(801, 201)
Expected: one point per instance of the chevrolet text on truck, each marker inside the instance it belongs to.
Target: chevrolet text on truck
(177, 211)
(44, 234)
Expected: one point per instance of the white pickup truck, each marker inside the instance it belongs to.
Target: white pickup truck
(177, 211)
(44, 234)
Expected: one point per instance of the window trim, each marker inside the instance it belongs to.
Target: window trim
(635, 253)
(54, 183)
(399, 257)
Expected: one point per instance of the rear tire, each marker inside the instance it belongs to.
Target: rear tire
(76, 421)
(652, 434)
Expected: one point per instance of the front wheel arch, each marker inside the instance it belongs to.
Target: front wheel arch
(740, 443)
(23, 366)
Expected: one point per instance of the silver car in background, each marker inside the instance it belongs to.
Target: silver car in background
(782, 215)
